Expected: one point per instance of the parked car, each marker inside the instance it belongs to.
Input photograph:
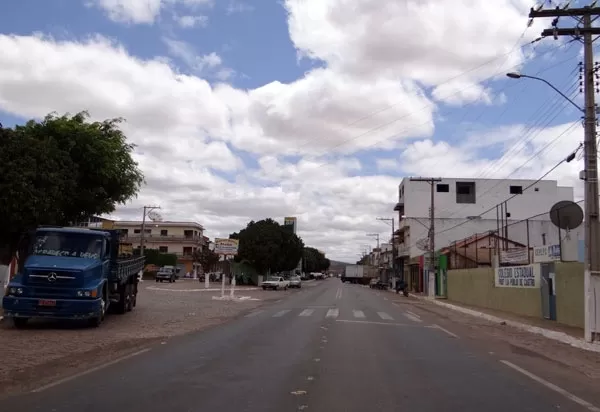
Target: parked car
(295, 282)
(166, 274)
(377, 284)
(275, 283)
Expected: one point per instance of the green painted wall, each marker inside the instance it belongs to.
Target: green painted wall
(476, 287)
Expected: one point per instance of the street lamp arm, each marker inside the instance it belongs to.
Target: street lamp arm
(518, 76)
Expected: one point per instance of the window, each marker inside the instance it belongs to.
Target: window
(137, 231)
(443, 188)
(516, 190)
(164, 232)
(465, 192)
(163, 249)
(187, 251)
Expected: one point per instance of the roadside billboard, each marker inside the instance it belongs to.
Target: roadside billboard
(226, 246)
(290, 221)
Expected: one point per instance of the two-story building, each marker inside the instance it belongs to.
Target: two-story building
(179, 238)
(464, 207)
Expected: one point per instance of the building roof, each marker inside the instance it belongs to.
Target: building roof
(161, 223)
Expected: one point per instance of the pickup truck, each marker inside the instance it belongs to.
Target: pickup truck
(73, 273)
(275, 283)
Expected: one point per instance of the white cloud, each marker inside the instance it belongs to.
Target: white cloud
(235, 6)
(140, 11)
(426, 41)
(207, 65)
(383, 72)
(188, 22)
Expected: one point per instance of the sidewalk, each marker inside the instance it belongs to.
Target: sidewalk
(549, 329)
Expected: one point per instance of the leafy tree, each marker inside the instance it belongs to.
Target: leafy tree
(155, 257)
(314, 261)
(59, 171)
(206, 258)
(267, 245)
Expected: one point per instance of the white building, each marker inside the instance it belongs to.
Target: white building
(464, 207)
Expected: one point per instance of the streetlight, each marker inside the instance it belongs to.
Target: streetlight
(514, 75)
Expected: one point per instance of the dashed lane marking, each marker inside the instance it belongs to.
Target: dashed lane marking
(332, 313)
(306, 312)
(281, 313)
(358, 314)
(384, 316)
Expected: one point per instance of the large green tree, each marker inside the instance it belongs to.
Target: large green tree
(268, 246)
(62, 170)
(314, 261)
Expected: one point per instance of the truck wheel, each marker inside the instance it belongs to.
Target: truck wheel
(20, 323)
(129, 292)
(123, 298)
(97, 321)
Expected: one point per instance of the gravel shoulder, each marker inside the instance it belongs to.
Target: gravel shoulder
(48, 350)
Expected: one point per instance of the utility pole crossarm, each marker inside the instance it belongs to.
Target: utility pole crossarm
(578, 12)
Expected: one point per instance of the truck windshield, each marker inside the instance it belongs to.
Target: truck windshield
(67, 245)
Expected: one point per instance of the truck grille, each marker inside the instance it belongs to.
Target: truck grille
(51, 278)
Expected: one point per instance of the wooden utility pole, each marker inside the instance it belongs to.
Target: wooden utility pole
(391, 219)
(143, 234)
(585, 32)
(431, 181)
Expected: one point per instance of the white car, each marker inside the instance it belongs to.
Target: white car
(295, 282)
(275, 283)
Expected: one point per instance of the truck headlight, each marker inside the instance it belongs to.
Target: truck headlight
(14, 291)
(87, 293)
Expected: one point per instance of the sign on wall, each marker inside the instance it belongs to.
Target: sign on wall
(515, 256)
(546, 253)
(527, 276)
(226, 246)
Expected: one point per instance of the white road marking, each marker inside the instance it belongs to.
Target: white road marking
(368, 322)
(338, 294)
(252, 314)
(306, 312)
(385, 298)
(553, 387)
(198, 290)
(411, 317)
(395, 304)
(454, 335)
(88, 371)
(358, 314)
(281, 313)
(384, 316)
(413, 314)
(332, 313)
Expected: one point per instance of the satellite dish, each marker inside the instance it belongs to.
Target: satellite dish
(155, 216)
(566, 215)
(423, 244)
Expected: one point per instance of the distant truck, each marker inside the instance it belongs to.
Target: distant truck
(355, 274)
(73, 273)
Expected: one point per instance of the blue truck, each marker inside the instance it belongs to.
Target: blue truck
(73, 273)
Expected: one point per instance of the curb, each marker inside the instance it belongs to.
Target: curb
(547, 333)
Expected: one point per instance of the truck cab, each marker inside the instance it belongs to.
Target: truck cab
(70, 273)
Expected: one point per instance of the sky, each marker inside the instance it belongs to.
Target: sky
(242, 110)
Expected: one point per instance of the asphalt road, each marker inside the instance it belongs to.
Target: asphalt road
(328, 348)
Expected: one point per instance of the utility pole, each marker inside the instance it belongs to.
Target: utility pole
(383, 219)
(376, 236)
(143, 234)
(431, 181)
(584, 29)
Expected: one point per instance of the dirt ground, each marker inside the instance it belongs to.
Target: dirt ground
(46, 349)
